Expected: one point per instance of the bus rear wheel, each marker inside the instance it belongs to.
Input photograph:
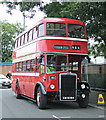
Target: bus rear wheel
(41, 99)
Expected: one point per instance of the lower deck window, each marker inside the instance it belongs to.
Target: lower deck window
(23, 66)
(32, 65)
(16, 67)
(28, 66)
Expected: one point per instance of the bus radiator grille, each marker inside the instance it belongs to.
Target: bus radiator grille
(68, 88)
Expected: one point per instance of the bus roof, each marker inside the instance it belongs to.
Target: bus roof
(62, 20)
(54, 19)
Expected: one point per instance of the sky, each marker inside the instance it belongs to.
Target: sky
(17, 16)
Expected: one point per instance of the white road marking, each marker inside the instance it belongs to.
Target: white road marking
(56, 117)
(102, 116)
(59, 118)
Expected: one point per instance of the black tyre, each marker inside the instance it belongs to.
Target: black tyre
(18, 96)
(41, 99)
(83, 103)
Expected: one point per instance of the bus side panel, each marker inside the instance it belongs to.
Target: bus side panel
(13, 84)
(48, 45)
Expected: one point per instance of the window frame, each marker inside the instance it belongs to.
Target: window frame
(23, 70)
(25, 38)
(55, 29)
(57, 65)
(43, 30)
(16, 67)
(34, 33)
(72, 66)
(76, 30)
(29, 35)
(31, 65)
(28, 65)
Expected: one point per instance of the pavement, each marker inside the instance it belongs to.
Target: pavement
(93, 99)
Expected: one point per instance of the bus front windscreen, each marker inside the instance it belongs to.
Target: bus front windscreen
(57, 63)
(56, 29)
(76, 31)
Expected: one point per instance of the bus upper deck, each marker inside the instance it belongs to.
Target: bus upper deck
(53, 35)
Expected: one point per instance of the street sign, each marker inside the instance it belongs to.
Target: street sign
(100, 99)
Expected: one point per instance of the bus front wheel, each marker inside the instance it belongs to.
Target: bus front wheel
(83, 103)
(41, 99)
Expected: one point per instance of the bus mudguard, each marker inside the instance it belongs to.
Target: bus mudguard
(42, 88)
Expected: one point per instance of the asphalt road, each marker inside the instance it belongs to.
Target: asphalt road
(23, 108)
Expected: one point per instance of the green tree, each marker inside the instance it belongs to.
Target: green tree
(7, 34)
(92, 13)
(23, 7)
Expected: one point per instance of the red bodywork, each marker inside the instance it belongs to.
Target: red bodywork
(45, 45)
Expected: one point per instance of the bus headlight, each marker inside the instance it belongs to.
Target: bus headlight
(83, 86)
(83, 95)
(52, 87)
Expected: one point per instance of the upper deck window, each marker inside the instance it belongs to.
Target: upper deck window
(41, 30)
(56, 29)
(22, 40)
(26, 38)
(30, 35)
(35, 33)
(76, 31)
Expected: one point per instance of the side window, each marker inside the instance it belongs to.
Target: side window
(56, 29)
(41, 30)
(34, 33)
(28, 66)
(42, 67)
(26, 38)
(16, 67)
(32, 65)
(30, 35)
(19, 67)
(22, 40)
(23, 66)
(37, 64)
(18, 41)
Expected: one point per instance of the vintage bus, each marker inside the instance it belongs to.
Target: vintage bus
(47, 62)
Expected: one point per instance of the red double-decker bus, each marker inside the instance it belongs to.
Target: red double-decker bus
(47, 62)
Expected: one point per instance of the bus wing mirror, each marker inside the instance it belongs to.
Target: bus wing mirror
(39, 60)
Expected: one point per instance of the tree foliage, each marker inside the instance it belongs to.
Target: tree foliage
(23, 7)
(7, 34)
(92, 13)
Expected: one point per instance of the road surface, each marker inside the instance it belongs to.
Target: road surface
(23, 108)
